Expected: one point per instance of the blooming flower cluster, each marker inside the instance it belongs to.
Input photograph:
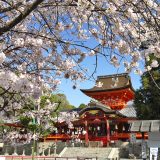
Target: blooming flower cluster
(39, 118)
(17, 138)
(68, 117)
(51, 39)
(2, 57)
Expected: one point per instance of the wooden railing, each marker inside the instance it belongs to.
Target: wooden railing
(117, 136)
(58, 137)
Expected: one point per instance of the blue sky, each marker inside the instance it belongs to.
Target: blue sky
(76, 97)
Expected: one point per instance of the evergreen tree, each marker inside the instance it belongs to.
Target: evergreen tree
(57, 98)
(147, 98)
(82, 105)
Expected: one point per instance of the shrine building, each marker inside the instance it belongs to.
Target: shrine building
(115, 92)
(105, 119)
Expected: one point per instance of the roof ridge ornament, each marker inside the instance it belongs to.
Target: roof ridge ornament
(99, 84)
(115, 82)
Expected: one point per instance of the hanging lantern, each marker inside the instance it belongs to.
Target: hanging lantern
(124, 128)
(116, 127)
(98, 128)
(84, 132)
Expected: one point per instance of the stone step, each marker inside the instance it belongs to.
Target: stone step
(86, 152)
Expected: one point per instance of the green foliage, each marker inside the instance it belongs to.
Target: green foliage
(57, 98)
(147, 98)
(25, 121)
(82, 105)
(69, 107)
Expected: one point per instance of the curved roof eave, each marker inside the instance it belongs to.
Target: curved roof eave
(104, 109)
(108, 90)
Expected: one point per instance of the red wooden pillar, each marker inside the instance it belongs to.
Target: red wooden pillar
(86, 134)
(108, 132)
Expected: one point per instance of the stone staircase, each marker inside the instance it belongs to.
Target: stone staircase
(100, 153)
(55, 148)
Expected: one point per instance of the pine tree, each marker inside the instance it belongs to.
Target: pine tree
(147, 98)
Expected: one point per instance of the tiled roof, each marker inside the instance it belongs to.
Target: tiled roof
(98, 107)
(129, 111)
(112, 82)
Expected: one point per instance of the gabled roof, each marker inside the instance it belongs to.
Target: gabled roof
(104, 109)
(129, 111)
(112, 82)
(99, 106)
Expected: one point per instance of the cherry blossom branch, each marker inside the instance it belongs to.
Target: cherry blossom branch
(11, 7)
(21, 17)
(154, 81)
